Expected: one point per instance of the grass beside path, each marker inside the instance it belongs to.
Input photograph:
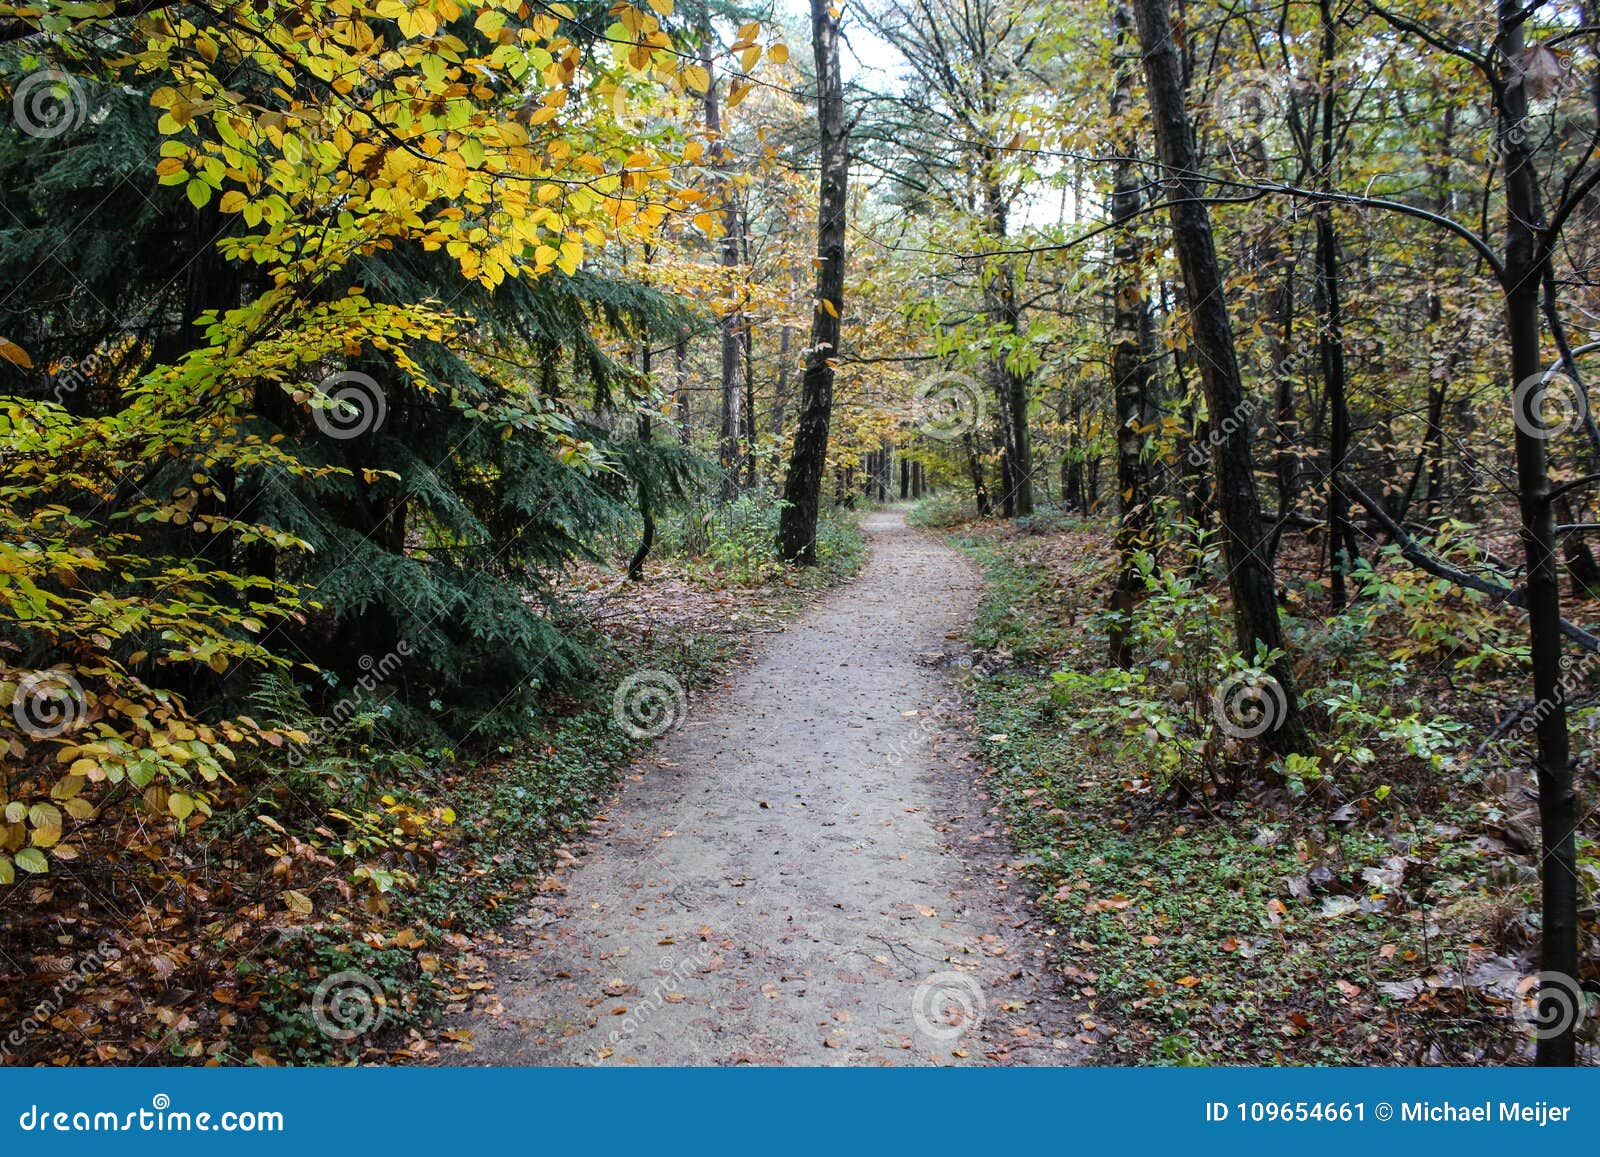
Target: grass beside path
(1208, 931)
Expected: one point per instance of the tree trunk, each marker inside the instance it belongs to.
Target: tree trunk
(747, 349)
(1286, 455)
(1010, 388)
(1330, 338)
(729, 325)
(797, 524)
(1255, 606)
(1130, 364)
(680, 357)
(980, 492)
(647, 535)
(781, 389)
(1527, 254)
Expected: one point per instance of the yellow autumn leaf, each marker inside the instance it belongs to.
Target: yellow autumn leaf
(297, 902)
(15, 354)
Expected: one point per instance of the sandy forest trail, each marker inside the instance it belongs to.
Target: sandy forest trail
(804, 872)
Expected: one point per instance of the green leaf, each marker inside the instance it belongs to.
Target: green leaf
(32, 860)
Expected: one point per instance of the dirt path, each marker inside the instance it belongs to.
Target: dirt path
(805, 872)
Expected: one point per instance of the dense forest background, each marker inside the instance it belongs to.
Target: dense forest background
(360, 358)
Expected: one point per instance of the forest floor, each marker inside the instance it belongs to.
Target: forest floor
(1237, 921)
(808, 870)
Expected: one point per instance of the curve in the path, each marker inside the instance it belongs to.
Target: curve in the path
(804, 872)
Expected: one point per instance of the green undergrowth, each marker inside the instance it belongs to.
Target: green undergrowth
(1216, 928)
(732, 542)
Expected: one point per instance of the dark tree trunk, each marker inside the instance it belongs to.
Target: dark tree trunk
(1255, 605)
(1581, 567)
(1527, 254)
(980, 491)
(1433, 461)
(680, 356)
(1330, 338)
(730, 326)
(1286, 457)
(1194, 483)
(747, 344)
(1010, 388)
(781, 396)
(905, 478)
(1130, 364)
(797, 524)
(1072, 495)
(647, 535)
